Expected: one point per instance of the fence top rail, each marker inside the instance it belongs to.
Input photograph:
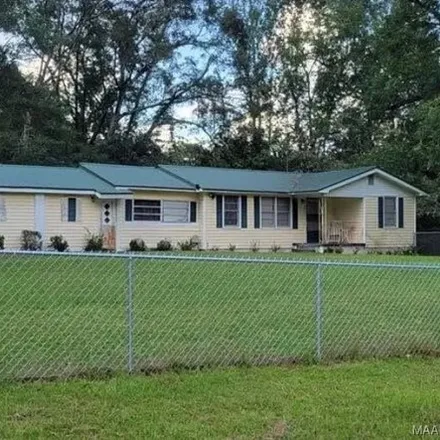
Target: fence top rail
(222, 258)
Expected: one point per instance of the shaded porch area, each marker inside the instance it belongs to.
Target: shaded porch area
(335, 221)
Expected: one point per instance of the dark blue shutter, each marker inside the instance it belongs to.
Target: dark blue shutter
(294, 213)
(219, 211)
(256, 212)
(401, 213)
(380, 212)
(244, 211)
(129, 210)
(71, 210)
(193, 212)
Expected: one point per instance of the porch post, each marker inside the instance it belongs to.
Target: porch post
(323, 235)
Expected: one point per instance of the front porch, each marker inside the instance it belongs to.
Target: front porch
(335, 221)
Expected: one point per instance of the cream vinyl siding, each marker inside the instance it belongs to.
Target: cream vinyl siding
(153, 232)
(88, 219)
(244, 238)
(351, 213)
(389, 237)
(20, 215)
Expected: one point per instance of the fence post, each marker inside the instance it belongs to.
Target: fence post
(130, 314)
(318, 312)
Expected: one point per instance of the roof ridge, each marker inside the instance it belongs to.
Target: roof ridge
(232, 169)
(195, 185)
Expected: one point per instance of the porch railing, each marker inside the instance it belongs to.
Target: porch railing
(342, 232)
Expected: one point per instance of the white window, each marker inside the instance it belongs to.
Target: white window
(268, 212)
(165, 211)
(390, 212)
(147, 210)
(275, 212)
(175, 212)
(283, 212)
(231, 211)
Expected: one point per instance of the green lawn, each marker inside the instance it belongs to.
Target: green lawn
(67, 315)
(366, 400)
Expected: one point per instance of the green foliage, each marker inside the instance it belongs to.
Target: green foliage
(137, 245)
(2, 242)
(164, 246)
(31, 240)
(187, 245)
(95, 243)
(232, 247)
(58, 243)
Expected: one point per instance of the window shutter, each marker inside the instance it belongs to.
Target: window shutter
(129, 210)
(2, 209)
(380, 212)
(244, 211)
(64, 209)
(401, 213)
(294, 213)
(257, 212)
(193, 212)
(219, 211)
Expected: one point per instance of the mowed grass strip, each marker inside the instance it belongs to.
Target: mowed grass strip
(67, 315)
(373, 400)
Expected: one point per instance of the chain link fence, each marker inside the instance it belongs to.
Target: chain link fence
(71, 314)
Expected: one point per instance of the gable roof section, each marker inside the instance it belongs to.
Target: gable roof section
(29, 177)
(130, 176)
(234, 180)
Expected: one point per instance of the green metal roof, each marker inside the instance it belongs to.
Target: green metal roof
(128, 176)
(104, 179)
(312, 182)
(53, 178)
(230, 179)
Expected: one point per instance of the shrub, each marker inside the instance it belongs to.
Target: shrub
(328, 250)
(255, 246)
(275, 248)
(215, 249)
(232, 247)
(2, 242)
(339, 250)
(95, 243)
(31, 240)
(137, 245)
(58, 243)
(164, 246)
(187, 245)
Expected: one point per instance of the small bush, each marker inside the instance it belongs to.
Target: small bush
(31, 240)
(95, 243)
(58, 243)
(255, 246)
(215, 249)
(339, 250)
(232, 247)
(137, 245)
(328, 250)
(164, 246)
(187, 245)
(2, 242)
(275, 248)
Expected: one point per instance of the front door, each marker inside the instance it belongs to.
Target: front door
(108, 224)
(313, 221)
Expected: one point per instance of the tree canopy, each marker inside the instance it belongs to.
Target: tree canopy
(268, 84)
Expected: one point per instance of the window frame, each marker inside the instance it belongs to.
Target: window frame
(239, 216)
(371, 180)
(276, 213)
(396, 219)
(161, 221)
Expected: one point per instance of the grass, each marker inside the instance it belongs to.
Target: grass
(67, 315)
(374, 400)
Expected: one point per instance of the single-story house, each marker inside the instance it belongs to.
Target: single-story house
(363, 207)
